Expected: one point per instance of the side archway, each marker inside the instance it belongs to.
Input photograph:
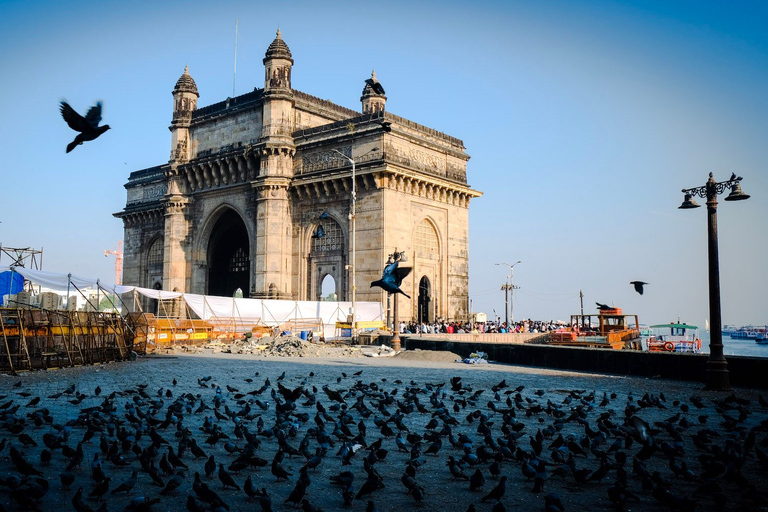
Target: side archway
(327, 259)
(427, 263)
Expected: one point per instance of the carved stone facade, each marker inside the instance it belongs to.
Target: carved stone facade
(251, 180)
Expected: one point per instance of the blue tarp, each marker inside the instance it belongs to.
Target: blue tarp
(10, 283)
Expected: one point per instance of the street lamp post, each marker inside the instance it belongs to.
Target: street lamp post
(353, 229)
(509, 285)
(717, 366)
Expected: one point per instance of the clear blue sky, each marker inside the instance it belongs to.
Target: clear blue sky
(584, 119)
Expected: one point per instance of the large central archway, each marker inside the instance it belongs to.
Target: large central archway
(228, 257)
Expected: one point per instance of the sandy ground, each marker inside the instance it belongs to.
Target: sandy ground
(552, 403)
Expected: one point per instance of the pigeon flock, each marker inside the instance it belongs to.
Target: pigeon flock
(360, 437)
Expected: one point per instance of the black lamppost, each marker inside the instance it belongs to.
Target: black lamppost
(396, 342)
(717, 366)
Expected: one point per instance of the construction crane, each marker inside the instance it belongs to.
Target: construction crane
(118, 261)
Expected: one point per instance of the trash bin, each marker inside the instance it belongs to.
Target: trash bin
(303, 335)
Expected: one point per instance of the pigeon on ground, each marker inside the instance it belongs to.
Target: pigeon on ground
(638, 286)
(88, 126)
(392, 278)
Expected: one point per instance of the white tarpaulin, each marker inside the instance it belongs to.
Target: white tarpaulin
(267, 312)
(207, 307)
(52, 280)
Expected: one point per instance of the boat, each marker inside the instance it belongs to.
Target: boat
(762, 338)
(675, 337)
(609, 328)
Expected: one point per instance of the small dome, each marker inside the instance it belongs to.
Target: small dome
(373, 87)
(186, 83)
(278, 49)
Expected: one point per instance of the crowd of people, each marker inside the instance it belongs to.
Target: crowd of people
(491, 326)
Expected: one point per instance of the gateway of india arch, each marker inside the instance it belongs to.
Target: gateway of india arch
(257, 196)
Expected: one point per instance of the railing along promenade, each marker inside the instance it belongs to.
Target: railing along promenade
(519, 349)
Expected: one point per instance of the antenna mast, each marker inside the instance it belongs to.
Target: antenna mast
(234, 76)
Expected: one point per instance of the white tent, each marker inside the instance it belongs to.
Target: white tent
(208, 307)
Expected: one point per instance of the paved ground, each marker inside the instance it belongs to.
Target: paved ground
(551, 403)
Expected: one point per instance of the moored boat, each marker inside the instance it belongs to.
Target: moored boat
(609, 328)
(674, 337)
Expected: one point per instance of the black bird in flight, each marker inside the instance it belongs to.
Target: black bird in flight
(638, 286)
(392, 278)
(88, 126)
(319, 232)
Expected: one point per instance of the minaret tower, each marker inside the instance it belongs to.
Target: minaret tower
(273, 250)
(176, 226)
(184, 102)
(373, 98)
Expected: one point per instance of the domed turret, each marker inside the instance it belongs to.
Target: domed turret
(277, 65)
(186, 83)
(184, 102)
(373, 98)
(278, 49)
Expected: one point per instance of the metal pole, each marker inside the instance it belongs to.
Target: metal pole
(717, 366)
(396, 337)
(354, 254)
(506, 304)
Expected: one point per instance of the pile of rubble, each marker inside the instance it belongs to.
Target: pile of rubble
(290, 346)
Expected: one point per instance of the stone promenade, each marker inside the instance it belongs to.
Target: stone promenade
(554, 435)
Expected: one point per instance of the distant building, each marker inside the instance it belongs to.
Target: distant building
(251, 179)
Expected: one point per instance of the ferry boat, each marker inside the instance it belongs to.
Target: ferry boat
(609, 328)
(675, 337)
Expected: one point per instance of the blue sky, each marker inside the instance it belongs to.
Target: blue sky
(584, 119)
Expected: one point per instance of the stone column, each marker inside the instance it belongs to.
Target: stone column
(174, 248)
(272, 261)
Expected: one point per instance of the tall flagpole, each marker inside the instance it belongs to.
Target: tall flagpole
(234, 76)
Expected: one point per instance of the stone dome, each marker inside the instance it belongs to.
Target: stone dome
(373, 87)
(186, 83)
(278, 49)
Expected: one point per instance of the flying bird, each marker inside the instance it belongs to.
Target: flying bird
(319, 232)
(88, 126)
(638, 286)
(392, 278)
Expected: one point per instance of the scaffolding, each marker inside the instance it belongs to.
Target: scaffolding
(38, 339)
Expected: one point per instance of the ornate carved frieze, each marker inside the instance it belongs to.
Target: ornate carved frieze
(232, 169)
(141, 218)
(271, 188)
(175, 205)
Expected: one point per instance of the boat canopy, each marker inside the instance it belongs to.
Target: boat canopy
(674, 326)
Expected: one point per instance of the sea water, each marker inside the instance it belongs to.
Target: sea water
(735, 347)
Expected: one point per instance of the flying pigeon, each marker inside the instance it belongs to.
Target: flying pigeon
(392, 278)
(88, 126)
(638, 286)
(319, 232)
(323, 215)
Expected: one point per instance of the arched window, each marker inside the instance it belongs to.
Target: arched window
(425, 240)
(332, 240)
(155, 254)
(328, 289)
(239, 261)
